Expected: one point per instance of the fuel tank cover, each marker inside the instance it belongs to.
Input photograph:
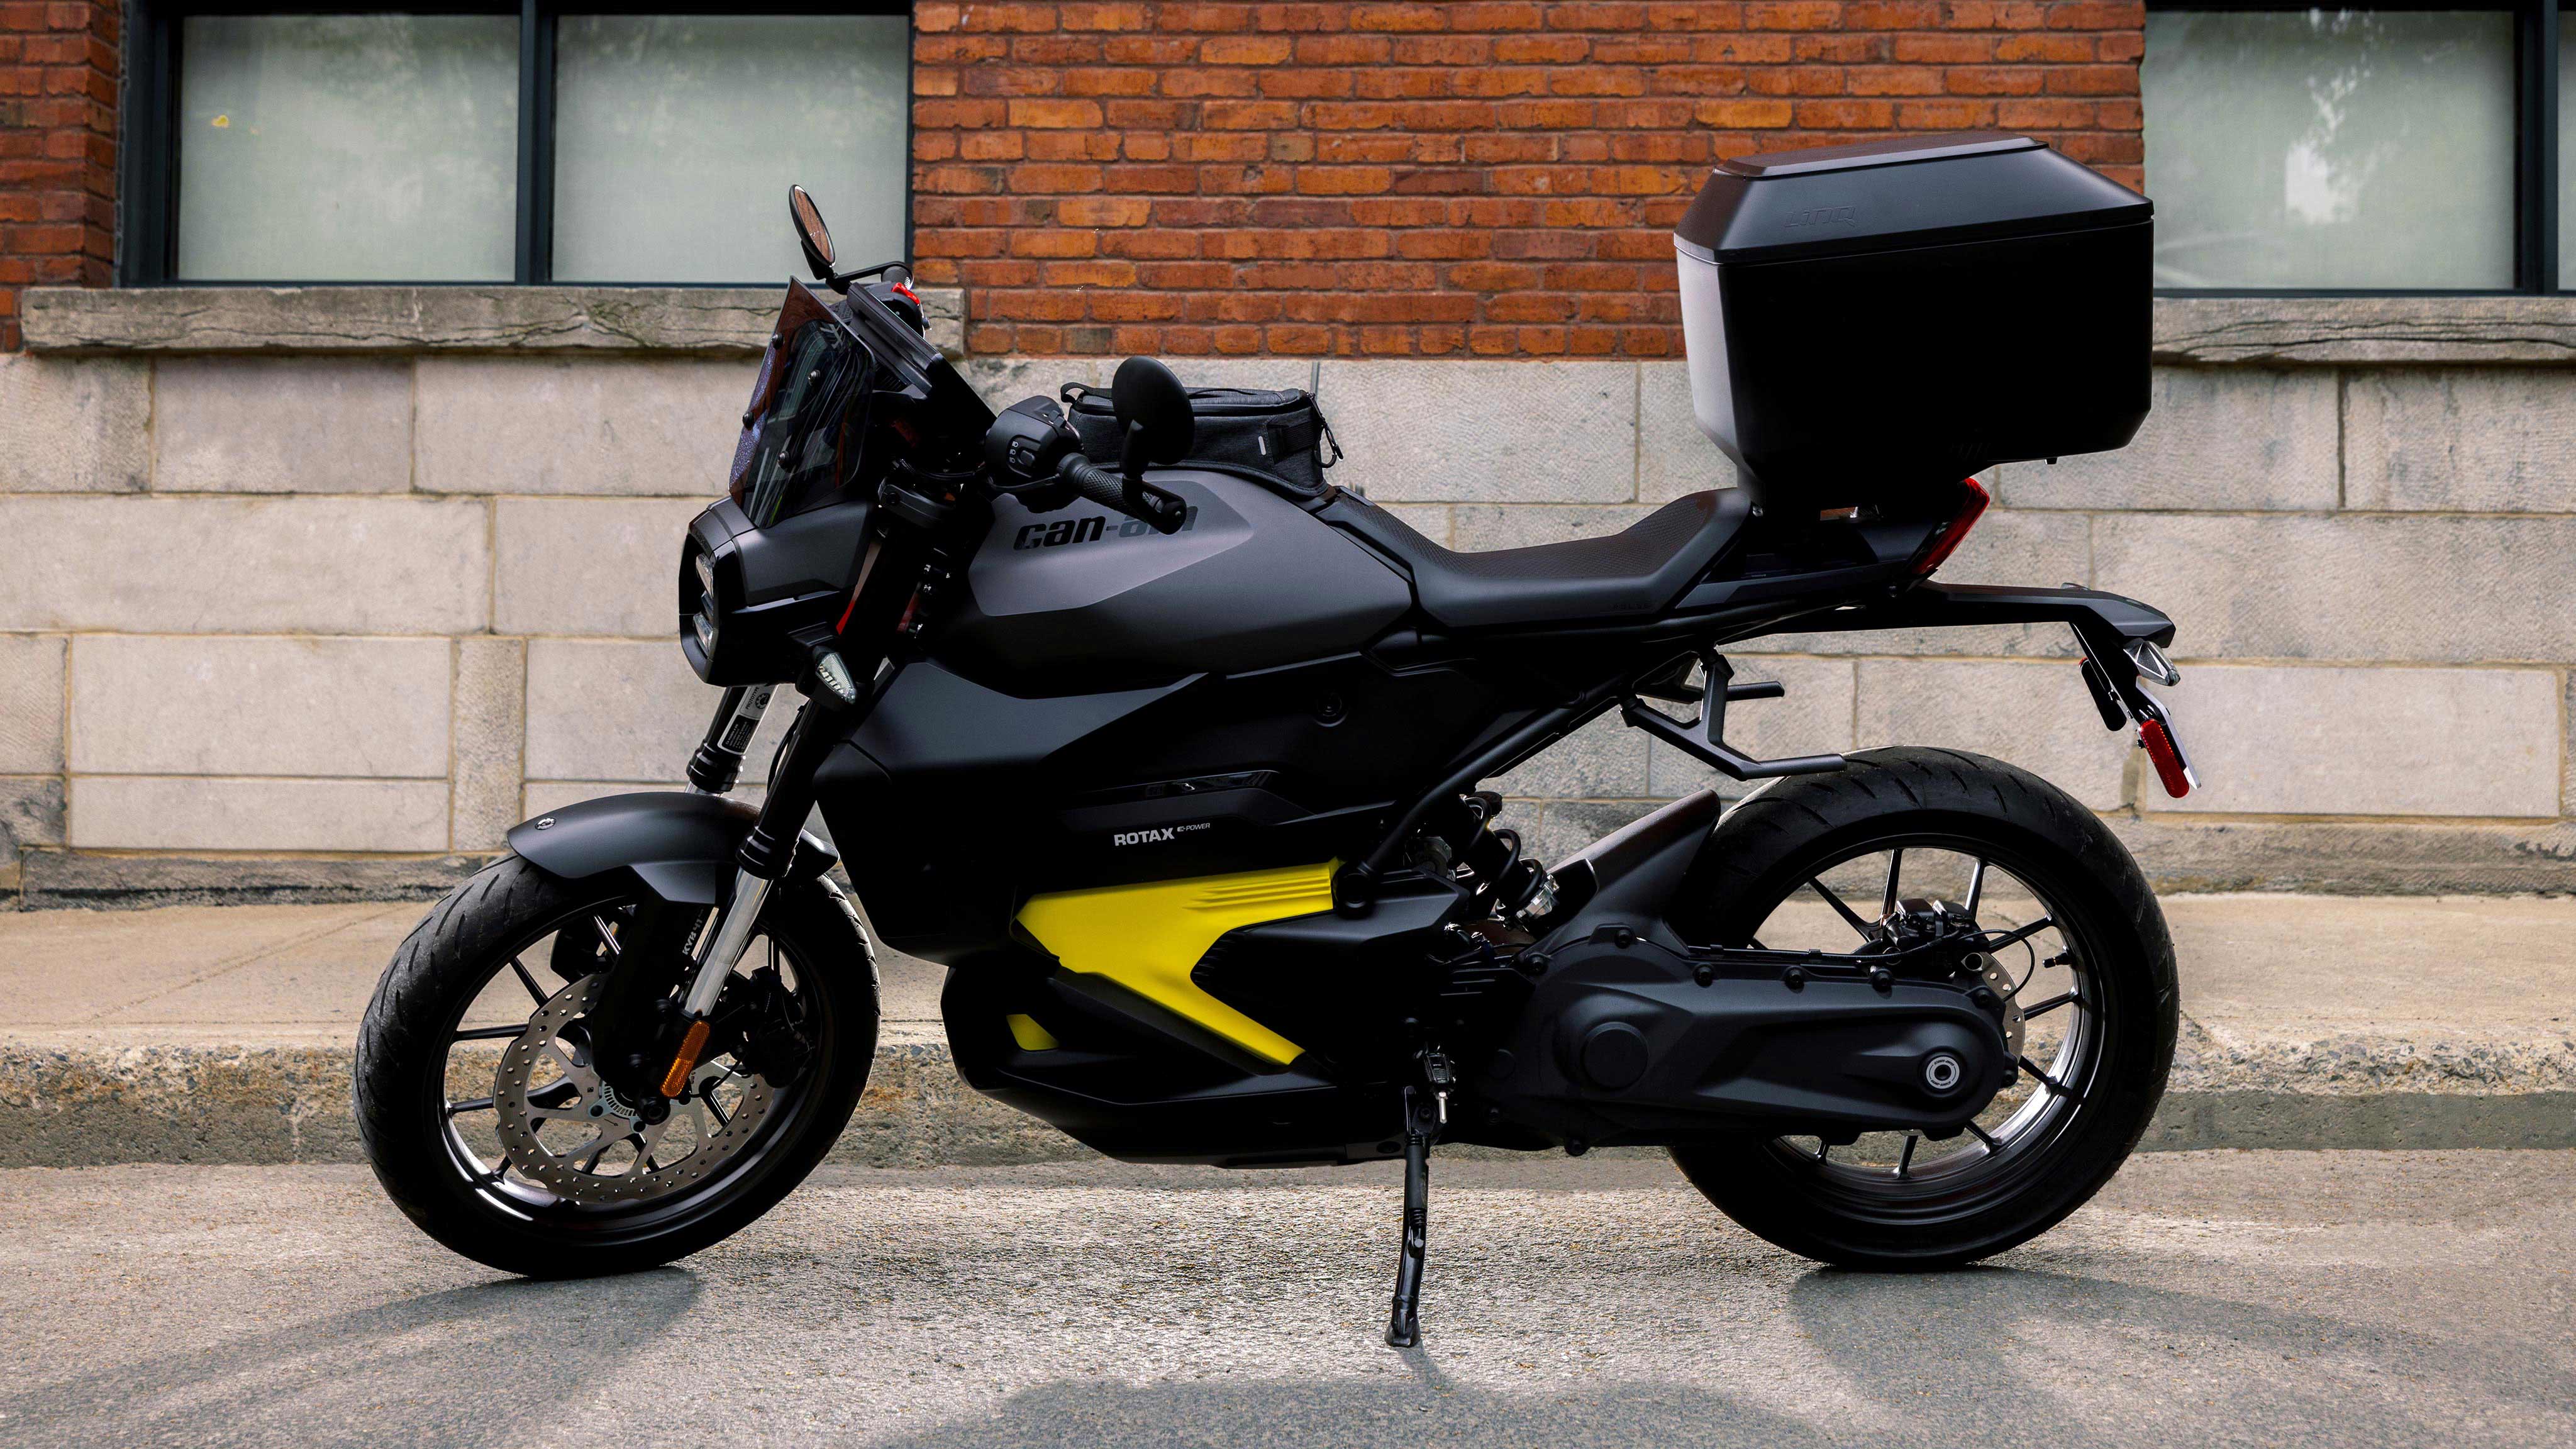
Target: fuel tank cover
(1250, 581)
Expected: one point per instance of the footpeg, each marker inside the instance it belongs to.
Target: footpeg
(1421, 1124)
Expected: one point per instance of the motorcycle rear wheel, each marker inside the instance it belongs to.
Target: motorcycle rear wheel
(2037, 1154)
(439, 1148)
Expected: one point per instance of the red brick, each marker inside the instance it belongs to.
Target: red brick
(1104, 17)
(1055, 114)
(1520, 16)
(1246, 50)
(1398, 17)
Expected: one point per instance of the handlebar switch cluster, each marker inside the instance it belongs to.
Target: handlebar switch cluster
(1034, 455)
(1024, 448)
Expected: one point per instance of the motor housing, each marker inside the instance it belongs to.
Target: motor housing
(1623, 1042)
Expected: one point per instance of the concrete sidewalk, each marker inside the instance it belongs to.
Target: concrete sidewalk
(222, 1034)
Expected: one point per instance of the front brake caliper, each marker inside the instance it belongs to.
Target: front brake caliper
(757, 1016)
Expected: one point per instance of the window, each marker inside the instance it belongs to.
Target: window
(2394, 150)
(535, 144)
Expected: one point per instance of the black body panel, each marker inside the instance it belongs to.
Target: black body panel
(769, 581)
(1131, 1080)
(1300, 976)
(1282, 767)
(681, 845)
(932, 800)
(1084, 598)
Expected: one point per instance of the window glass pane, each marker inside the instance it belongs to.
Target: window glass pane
(2331, 148)
(2566, 154)
(678, 135)
(368, 148)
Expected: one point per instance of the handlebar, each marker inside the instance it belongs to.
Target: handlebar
(1159, 509)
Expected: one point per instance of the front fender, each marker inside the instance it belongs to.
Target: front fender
(679, 843)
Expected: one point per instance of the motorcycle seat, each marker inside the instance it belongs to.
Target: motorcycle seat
(1642, 570)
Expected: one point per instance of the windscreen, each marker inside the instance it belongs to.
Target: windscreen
(808, 420)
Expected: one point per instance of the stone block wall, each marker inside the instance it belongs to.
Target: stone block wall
(333, 621)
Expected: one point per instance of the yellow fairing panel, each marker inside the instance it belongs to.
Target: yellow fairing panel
(1147, 937)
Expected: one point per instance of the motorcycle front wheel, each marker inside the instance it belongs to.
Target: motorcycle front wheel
(1912, 840)
(481, 1112)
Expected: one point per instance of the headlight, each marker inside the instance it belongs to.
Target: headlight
(703, 624)
(706, 565)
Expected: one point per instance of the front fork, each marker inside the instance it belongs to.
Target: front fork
(897, 574)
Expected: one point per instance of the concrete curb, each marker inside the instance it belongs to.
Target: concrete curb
(76, 1103)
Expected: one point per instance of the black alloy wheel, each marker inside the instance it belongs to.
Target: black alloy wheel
(1915, 841)
(483, 1113)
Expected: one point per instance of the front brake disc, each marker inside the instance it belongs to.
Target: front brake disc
(604, 1151)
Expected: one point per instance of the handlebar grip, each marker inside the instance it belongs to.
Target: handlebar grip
(1157, 508)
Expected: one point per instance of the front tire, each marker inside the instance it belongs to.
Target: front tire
(438, 1146)
(2050, 1148)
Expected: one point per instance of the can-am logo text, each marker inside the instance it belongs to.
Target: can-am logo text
(1824, 216)
(1065, 531)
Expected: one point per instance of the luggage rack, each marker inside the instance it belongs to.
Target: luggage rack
(1704, 738)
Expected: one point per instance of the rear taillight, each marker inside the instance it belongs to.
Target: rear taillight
(2172, 770)
(1947, 541)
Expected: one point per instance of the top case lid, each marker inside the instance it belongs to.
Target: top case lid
(1874, 153)
(1841, 200)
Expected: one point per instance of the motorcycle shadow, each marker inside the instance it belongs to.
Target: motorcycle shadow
(1977, 1355)
(493, 1363)
(2106, 1361)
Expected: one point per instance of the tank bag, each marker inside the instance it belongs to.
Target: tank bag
(1281, 433)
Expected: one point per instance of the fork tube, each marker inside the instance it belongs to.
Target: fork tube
(724, 950)
(717, 765)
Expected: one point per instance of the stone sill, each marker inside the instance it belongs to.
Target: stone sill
(681, 321)
(2365, 331)
(731, 321)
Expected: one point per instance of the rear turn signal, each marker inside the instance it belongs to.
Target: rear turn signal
(2159, 744)
(1946, 542)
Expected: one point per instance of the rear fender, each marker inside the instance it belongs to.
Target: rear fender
(1626, 878)
(680, 844)
(2111, 620)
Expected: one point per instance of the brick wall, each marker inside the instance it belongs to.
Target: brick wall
(58, 73)
(1426, 179)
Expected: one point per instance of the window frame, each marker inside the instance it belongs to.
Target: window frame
(2536, 201)
(149, 159)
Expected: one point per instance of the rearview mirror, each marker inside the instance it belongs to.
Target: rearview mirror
(811, 234)
(1154, 415)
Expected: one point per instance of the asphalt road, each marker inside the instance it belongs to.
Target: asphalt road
(2262, 1298)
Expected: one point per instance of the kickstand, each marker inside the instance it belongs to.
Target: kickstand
(1421, 1124)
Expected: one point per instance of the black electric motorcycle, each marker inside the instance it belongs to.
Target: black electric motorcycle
(1175, 762)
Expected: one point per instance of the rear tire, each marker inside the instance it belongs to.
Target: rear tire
(1767, 849)
(469, 942)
